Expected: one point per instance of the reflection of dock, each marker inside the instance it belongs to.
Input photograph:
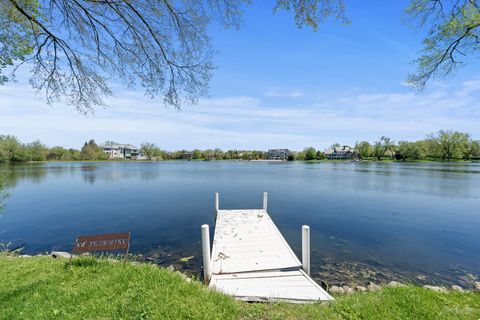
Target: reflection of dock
(252, 261)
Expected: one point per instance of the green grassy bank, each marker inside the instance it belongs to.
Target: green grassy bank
(45, 288)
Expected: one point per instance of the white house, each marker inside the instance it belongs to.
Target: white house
(122, 151)
(340, 153)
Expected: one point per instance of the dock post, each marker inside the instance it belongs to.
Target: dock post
(306, 249)
(206, 253)
(217, 206)
(265, 201)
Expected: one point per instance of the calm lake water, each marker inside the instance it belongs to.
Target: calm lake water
(369, 221)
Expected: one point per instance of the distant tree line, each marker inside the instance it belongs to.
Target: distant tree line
(12, 150)
(445, 145)
(153, 152)
(308, 154)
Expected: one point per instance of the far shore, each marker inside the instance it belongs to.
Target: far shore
(254, 160)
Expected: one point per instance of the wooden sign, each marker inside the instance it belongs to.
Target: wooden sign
(103, 242)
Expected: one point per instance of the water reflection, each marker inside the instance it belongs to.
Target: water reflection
(15, 173)
(110, 172)
(407, 218)
(446, 180)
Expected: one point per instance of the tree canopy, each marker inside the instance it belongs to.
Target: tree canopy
(364, 149)
(91, 151)
(453, 31)
(74, 48)
(150, 150)
(310, 153)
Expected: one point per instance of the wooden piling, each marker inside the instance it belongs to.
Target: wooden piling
(217, 205)
(206, 253)
(306, 249)
(265, 201)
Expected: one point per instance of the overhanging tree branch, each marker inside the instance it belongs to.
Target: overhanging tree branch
(453, 35)
(76, 47)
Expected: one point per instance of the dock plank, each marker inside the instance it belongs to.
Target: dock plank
(238, 230)
(252, 261)
(293, 286)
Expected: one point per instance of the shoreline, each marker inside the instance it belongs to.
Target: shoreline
(342, 287)
(329, 272)
(46, 288)
(242, 160)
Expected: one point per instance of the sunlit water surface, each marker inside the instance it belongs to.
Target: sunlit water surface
(369, 221)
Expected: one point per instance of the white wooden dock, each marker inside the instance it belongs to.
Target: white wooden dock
(251, 260)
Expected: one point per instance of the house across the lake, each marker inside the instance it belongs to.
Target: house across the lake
(122, 151)
(186, 155)
(340, 153)
(278, 154)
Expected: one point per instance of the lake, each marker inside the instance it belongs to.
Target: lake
(415, 222)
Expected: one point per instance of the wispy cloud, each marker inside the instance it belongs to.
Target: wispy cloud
(284, 93)
(244, 121)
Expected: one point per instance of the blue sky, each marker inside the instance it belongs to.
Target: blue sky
(277, 86)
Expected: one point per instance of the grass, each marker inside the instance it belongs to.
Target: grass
(46, 288)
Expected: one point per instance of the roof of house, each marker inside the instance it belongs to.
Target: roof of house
(338, 150)
(278, 150)
(119, 146)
